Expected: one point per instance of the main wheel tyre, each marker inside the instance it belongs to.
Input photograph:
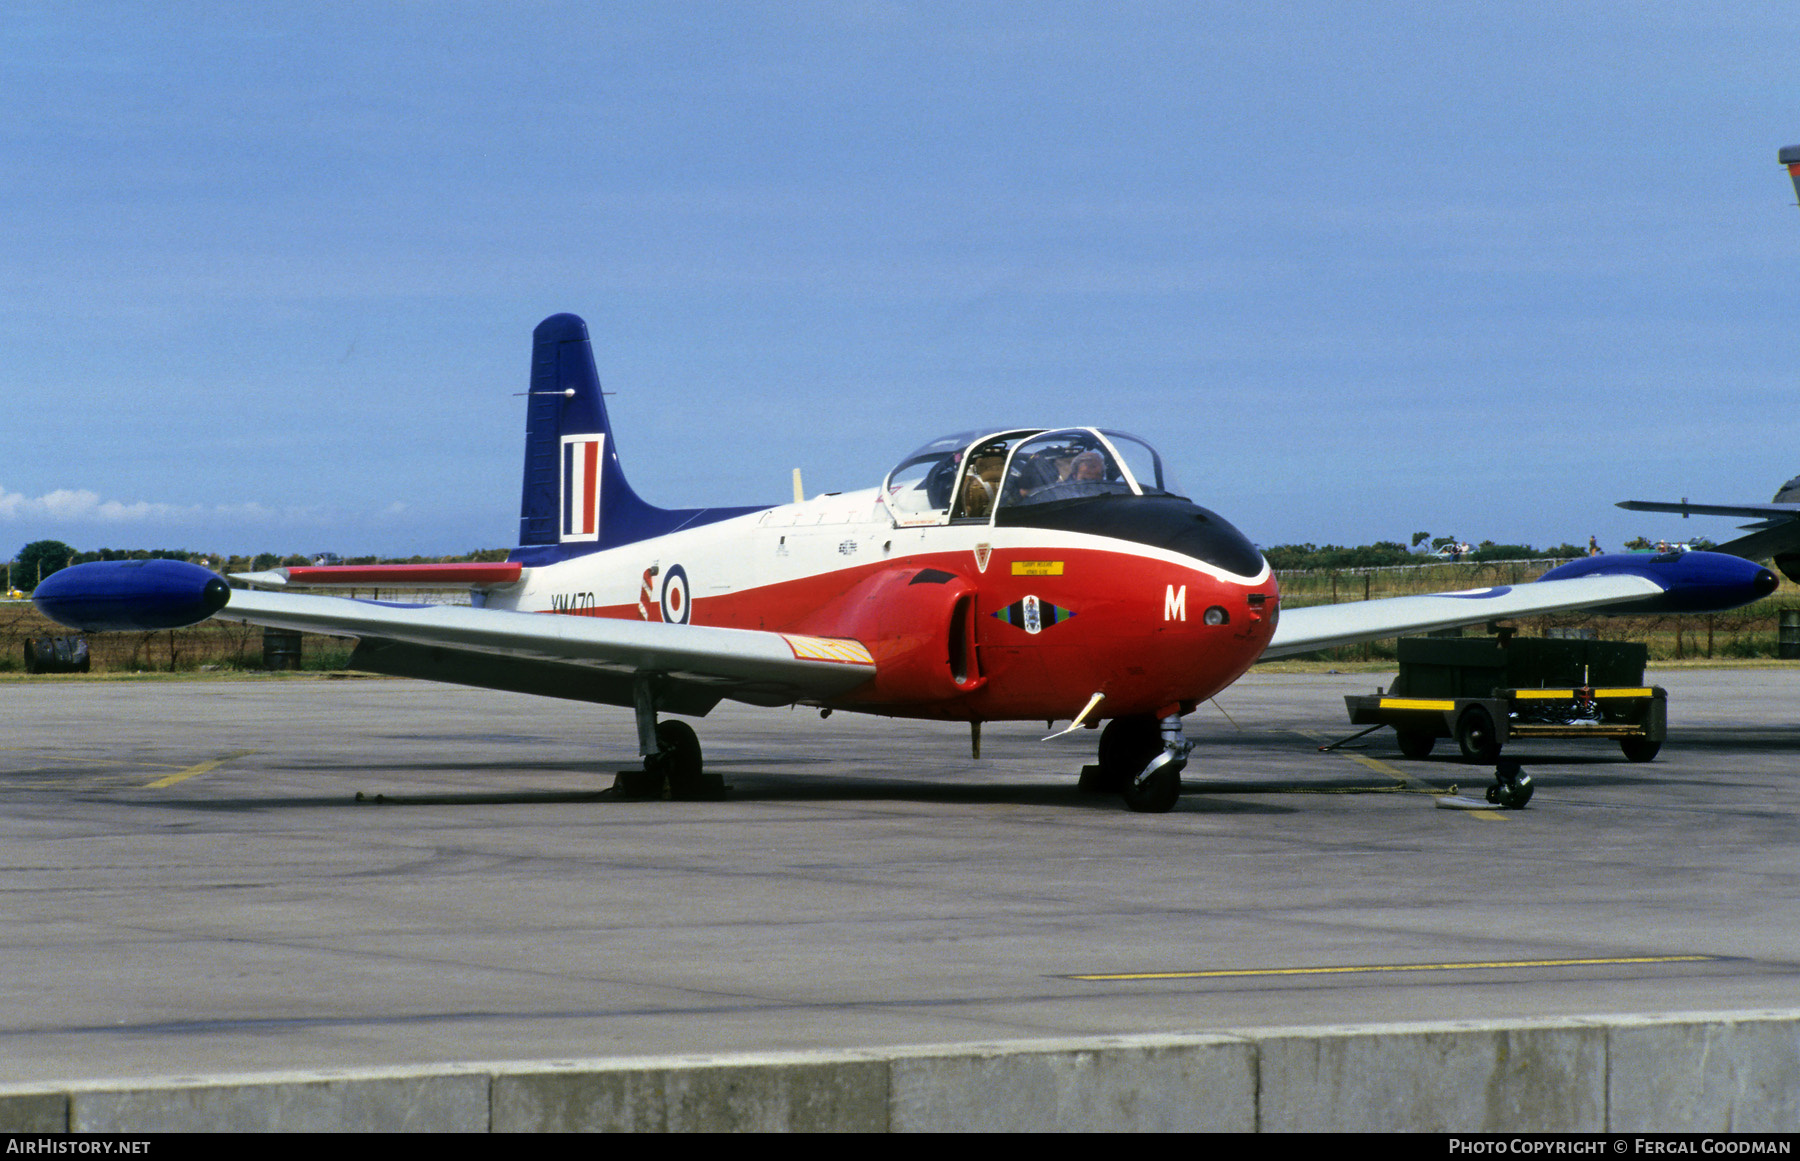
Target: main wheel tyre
(647, 783)
(1157, 793)
(1475, 736)
(679, 757)
(1415, 743)
(1639, 749)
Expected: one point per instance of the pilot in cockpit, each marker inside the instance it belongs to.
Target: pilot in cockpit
(1056, 466)
(1089, 465)
(983, 481)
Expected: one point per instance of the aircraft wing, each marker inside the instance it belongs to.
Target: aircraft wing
(585, 658)
(688, 667)
(1620, 582)
(1323, 626)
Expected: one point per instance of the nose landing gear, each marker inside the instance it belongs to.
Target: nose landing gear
(1141, 759)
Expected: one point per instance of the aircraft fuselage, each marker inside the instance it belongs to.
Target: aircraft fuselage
(965, 620)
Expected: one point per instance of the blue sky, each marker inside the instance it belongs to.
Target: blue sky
(1359, 270)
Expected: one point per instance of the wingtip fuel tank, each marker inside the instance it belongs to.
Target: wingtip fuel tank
(131, 595)
(1692, 582)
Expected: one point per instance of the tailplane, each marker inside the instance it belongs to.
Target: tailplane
(575, 499)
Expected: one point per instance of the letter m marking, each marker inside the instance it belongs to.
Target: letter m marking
(1175, 604)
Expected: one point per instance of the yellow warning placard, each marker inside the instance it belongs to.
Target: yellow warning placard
(1037, 568)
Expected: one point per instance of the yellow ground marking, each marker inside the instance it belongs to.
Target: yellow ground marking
(1380, 767)
(191, 771)
(110, 771)
(91, 761)
(1226, 973)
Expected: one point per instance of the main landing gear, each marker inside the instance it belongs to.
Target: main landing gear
(1141, 758)
(672, 763)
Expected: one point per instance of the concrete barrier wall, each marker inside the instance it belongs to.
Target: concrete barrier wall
(1712, 1072)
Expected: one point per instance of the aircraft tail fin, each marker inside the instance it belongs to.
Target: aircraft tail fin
(572, 473)
(575, 499)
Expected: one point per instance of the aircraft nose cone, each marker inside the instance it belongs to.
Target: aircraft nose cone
(1765, 583)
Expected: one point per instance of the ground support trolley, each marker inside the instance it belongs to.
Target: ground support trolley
(1485, 691)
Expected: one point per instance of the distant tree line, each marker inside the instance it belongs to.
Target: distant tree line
(41, 558)
(1391, 552)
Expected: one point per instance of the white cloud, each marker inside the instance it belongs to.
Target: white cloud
(80, 504)
(69, 504)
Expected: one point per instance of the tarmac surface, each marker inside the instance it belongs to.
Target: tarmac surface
(204, 877)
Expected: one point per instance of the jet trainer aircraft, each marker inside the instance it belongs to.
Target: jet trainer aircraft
(1011, 574)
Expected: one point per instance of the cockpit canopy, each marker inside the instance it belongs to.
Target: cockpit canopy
(972, 474)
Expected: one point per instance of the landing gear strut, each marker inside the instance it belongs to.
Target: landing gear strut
(1141, 758)
(672, 761)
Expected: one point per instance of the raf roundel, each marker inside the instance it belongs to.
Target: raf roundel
(675, 603)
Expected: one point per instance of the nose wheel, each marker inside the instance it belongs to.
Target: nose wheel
(1141, 759)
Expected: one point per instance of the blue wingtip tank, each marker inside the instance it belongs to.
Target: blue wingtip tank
(1692, 582)
(132, 595)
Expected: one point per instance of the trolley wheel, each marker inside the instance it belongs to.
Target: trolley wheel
(1415, 743)
(1475, 736)
(1639, 749)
